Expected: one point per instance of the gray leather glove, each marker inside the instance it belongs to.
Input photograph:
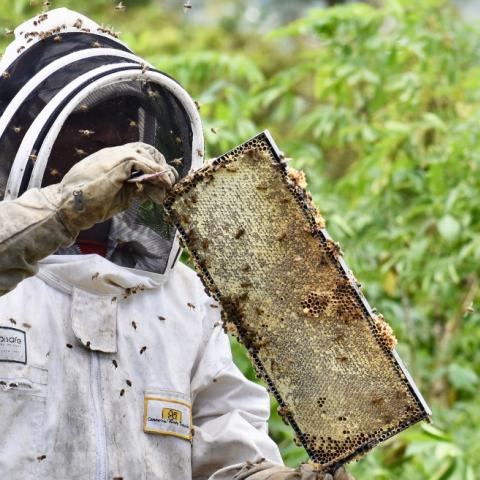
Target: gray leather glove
(36, 224)
(95, 189)
(264, 470)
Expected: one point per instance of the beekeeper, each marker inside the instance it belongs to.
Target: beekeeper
(113, 362)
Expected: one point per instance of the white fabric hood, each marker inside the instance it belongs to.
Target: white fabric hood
(61, 61)
(33, 30)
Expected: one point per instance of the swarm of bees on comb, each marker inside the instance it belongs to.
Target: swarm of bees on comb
(262, 251)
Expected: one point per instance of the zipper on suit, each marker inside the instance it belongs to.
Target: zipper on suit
(98, 418)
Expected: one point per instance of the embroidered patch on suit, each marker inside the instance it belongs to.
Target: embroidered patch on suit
(13, 345)
(165, 416)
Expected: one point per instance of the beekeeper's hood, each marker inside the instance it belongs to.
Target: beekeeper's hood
(69, 87)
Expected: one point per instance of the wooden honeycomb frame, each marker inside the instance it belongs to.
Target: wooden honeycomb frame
(262, 251)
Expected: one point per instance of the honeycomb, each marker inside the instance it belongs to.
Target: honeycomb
(262, 251)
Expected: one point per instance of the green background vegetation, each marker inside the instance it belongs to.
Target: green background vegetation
(380, 106)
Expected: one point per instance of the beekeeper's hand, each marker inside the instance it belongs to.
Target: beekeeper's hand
(43, 219)
(95, 188)
(269, 471)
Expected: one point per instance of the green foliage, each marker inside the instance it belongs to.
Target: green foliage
(380, 106)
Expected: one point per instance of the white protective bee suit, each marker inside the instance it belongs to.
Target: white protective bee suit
(113, 365)
(106, 372)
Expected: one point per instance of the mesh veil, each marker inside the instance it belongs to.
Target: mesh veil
(116, 114)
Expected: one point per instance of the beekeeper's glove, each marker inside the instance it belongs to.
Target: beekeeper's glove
(36, 224)
(269, 471)
(95, 189)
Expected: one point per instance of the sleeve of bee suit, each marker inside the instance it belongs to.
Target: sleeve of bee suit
(230, 413)
(29, 231)
(40, 221)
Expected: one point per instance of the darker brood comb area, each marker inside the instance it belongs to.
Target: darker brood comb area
(261, 249)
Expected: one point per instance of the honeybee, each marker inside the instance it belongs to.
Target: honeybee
(261, 343)
(335, 248)
(284, 411)
(122, 392)
(231, 167)
(80, 152)
(86, 133)
(177, 161)
(339, 337)
(120, 7)
(115, 364)
(134, 325)
(240, 233)
(142, 350)
(191, 306)
(128, 382)
(208, 178)
(297, 441)
(96, 45)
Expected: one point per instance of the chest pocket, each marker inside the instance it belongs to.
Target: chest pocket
(23, 391)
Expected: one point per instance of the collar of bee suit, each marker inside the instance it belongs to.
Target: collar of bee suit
(94, 274)
(97, 286)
